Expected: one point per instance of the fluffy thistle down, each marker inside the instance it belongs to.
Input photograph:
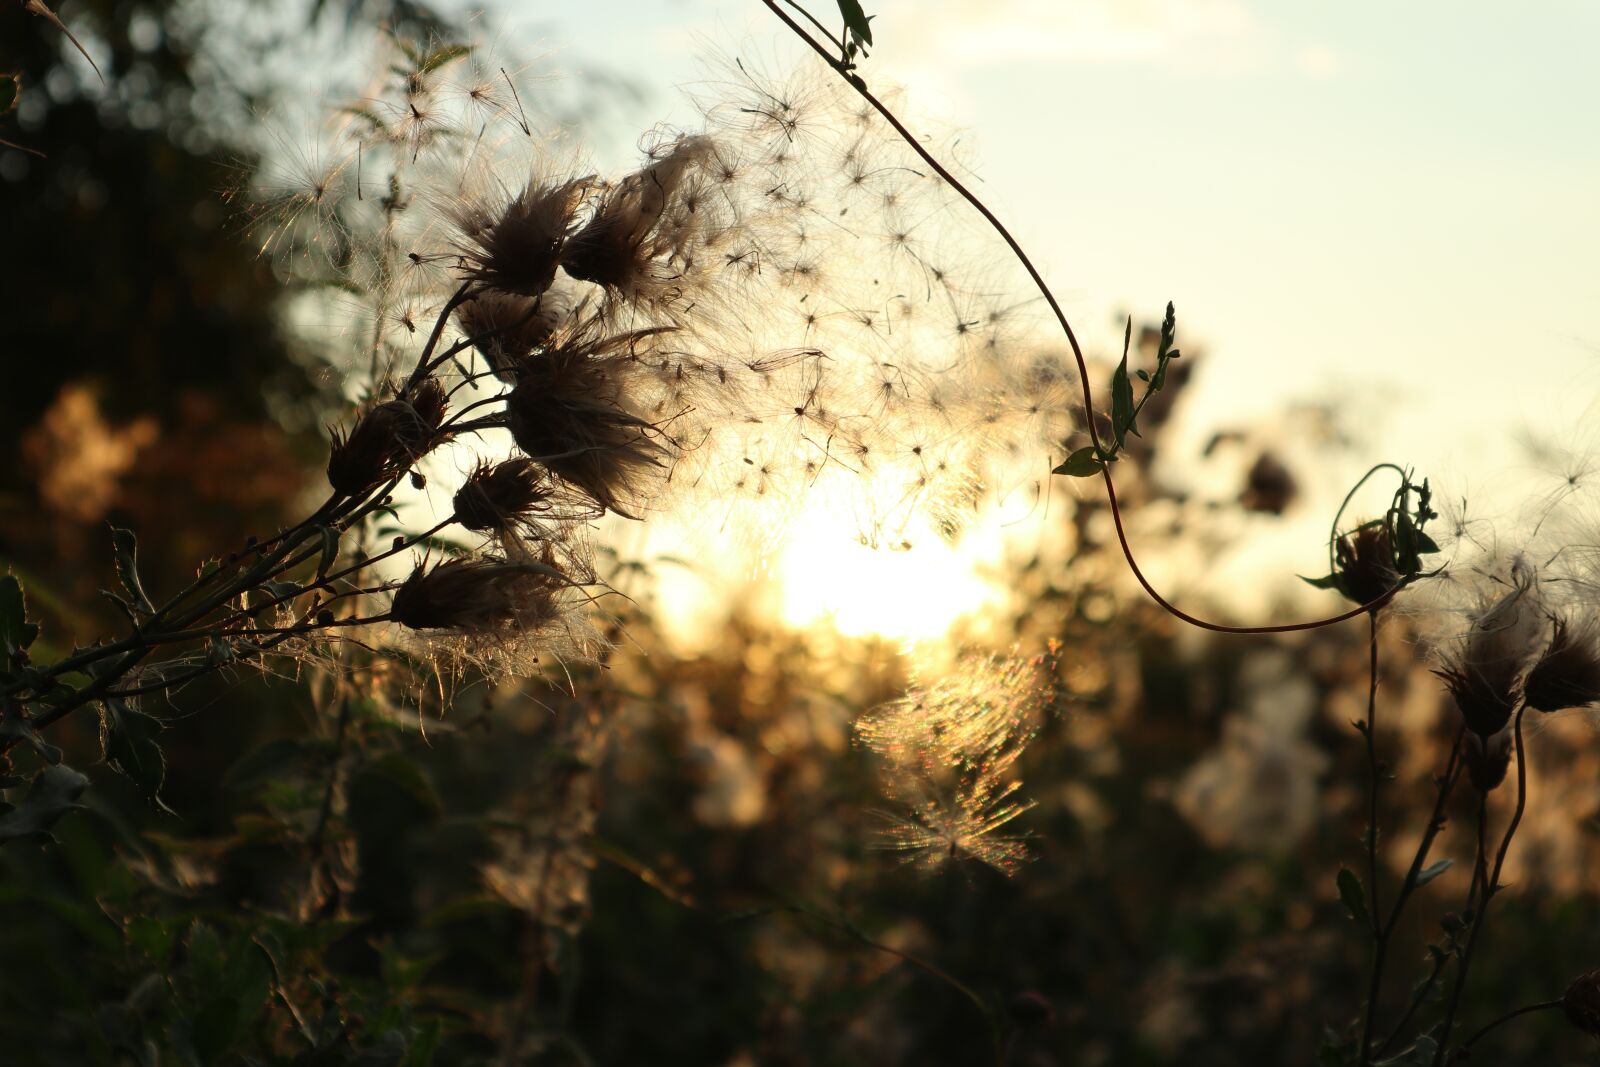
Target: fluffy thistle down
(946, 751)
(777, 305)
(1484, 668)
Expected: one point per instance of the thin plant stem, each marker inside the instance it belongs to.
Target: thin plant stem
(1379, 944)
(1527, 1009)
(856, 83)
(1491, 886)
(1447, 782)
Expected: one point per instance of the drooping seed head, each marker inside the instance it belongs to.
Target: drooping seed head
(479, 596)
(572, 412)
(1568, 674)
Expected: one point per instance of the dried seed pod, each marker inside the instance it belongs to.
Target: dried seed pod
(1487, 759)
(387, 440)
(1568, 674)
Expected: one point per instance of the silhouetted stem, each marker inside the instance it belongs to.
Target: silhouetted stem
(1447, 782)
(1491, 886)
(1527, 1009)
(856, 83)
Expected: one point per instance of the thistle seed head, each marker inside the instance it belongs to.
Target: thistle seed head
(506, 328)
(479, 596)
(387, 440)
(1568, 674)
(628, 239)
(1581, 1003)
(516, 247)
(1484, 672)
(498, 497)
(571, 411)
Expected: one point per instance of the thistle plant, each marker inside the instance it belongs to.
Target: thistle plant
(787, 303)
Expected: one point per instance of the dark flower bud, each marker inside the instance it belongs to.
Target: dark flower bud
(1568, 674)
(1487, 759)
(1581, 1003)
(1364, 562)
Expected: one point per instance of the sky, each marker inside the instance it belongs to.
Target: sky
(1371, 199)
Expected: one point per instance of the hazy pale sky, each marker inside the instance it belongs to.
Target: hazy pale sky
(1391, 205)
(1353, 198)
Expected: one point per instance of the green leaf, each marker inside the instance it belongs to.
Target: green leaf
(128, 743)
(54, 792)
(1122, 394)
(10, 91)
(1432, 871)
(14, 728)
(1081, 464)
(857, 21)
(1353, 896)
(1331, 581)
(126, 550)
(16, 632)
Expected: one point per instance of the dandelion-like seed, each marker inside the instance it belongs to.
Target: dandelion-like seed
(962, 823)
(947, 750)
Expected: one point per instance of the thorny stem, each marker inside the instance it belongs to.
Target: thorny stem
(1527, 1009)
(1491, 886)
(1447, 783)
(856, 83)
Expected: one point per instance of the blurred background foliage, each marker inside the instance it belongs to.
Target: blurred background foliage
(664, 861)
